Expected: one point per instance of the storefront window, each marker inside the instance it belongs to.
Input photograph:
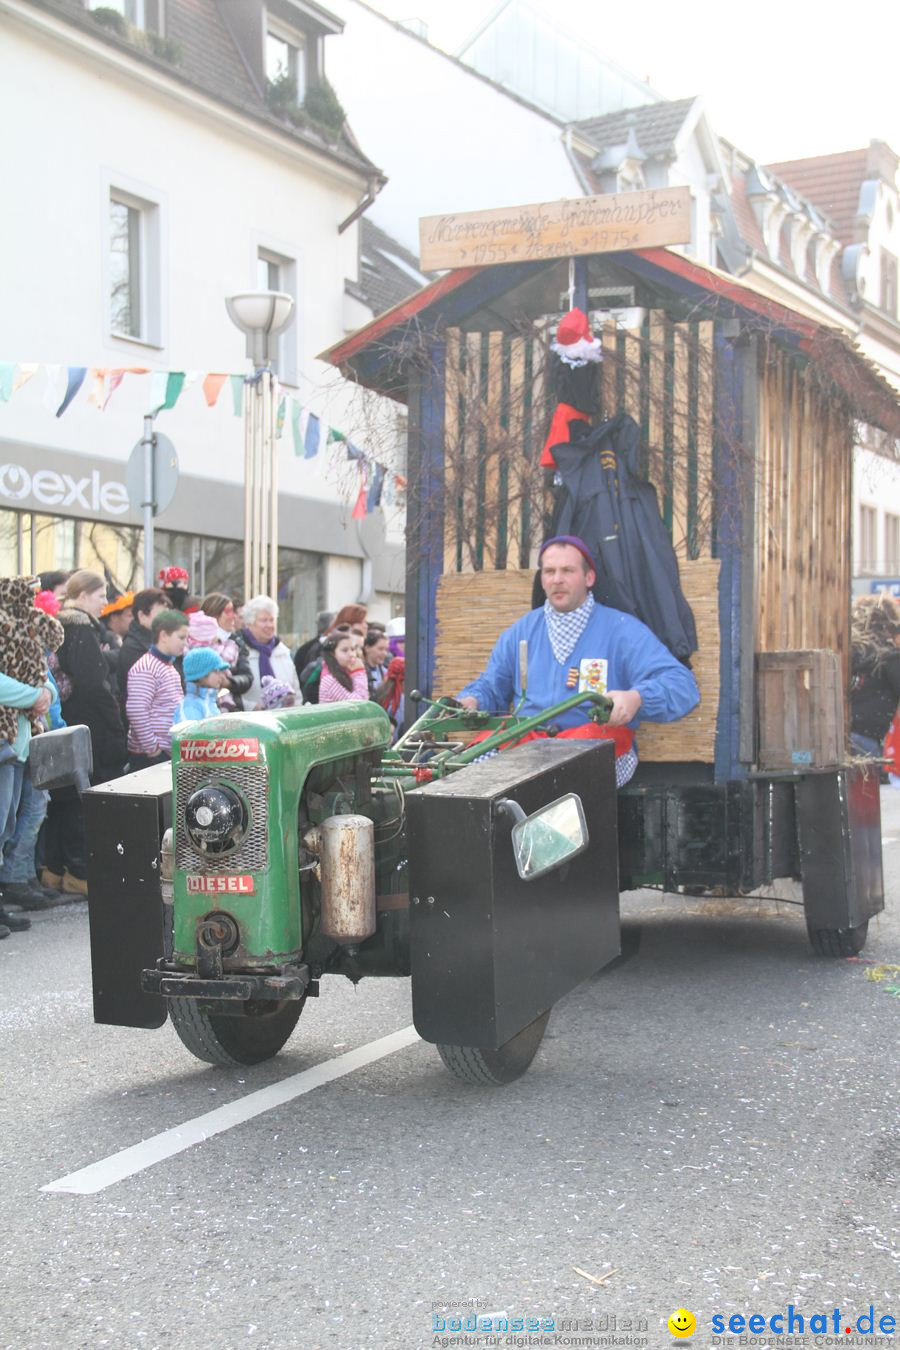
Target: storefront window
(218, 565)
(301, 594)
(223, 567)
(9, 543)
(52, 543)
(41, 543)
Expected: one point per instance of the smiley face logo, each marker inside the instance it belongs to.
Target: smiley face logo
(682, 1323)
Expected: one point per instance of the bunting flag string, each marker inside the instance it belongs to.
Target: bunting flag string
(377, 484)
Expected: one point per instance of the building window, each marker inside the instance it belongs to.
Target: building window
(277, 272)
(892, 545)
(125, 269)
(868, 538)
(145, 14)
(133, 268)
(889, 283)
(286, 66)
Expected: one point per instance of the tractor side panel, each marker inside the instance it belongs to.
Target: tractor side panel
(124, 822)
(489, 952)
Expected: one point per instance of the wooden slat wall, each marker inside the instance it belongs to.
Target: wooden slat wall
(803, 511)
(663, 377)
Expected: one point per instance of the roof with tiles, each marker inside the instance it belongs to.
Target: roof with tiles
(388, 272)
(745, 216)
(748, 225)
(209, 59)
(832, 183)
(656, 126)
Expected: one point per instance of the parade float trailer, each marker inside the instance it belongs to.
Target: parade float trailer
(281, 847)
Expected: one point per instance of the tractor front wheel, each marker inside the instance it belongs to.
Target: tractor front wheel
(231, 1042)
(493, 1068)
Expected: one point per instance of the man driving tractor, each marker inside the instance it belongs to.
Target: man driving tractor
(574, 643)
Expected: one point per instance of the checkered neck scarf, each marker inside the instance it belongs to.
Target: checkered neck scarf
(564, 630)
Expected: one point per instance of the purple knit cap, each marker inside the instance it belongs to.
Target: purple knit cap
(574, 542)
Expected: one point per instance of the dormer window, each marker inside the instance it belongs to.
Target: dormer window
(144, 14)
(286, 64)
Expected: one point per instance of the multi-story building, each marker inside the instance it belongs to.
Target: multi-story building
(527, 113)
(169, 153)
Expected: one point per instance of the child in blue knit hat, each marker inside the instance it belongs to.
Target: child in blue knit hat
(203, 678)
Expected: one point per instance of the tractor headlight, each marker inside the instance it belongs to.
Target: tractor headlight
(216, 819)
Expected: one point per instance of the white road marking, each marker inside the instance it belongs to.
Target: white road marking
(889, 838)
(118, 1166)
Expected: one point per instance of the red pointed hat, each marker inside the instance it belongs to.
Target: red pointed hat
(574, 339)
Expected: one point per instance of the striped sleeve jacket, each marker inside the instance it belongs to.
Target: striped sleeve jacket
(154, 692)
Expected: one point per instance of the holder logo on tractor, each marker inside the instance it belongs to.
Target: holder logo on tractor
(299, 844)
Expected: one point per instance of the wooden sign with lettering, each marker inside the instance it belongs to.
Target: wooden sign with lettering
(615, 220)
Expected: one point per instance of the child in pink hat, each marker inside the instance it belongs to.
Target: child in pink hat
(203, 631)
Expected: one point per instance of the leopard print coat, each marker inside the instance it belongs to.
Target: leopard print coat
(26, 635)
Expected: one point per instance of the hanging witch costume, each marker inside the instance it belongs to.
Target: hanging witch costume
(601, 497)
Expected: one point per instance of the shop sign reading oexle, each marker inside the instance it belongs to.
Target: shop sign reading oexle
(47, 487)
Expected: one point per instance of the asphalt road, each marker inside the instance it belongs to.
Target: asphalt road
(712, 1122)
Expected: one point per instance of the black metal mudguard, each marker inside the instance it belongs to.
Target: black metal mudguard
(839, 823)
(124, 822)
(489, 952)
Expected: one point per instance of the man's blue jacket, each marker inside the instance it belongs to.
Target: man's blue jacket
(633, 657)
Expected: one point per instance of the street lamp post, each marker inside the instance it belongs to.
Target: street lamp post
(261, 316)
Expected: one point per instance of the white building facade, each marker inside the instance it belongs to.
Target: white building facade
(148, 184)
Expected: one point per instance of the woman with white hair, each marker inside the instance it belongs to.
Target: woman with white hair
(268, 654)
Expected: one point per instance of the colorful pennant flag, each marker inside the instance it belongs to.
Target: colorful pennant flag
(174, 386)
(115, 379)
(212, 388)
(279, 418)
(24, 372)
(296, 428)
(7, 371)
(237, 393)
(158, 382)
(312, 437)
(374, 498)
(54, 388)
(359, 510)
(96, 396)
(74, 380)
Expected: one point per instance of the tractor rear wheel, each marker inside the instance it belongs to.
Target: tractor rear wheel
(229, 1041)
(493, 1068)
(838, 942)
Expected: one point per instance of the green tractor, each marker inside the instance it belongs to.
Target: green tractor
(281, 847)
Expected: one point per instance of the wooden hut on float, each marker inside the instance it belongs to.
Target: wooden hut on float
(747, 413)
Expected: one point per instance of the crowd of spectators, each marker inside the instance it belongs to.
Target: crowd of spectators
(132, 667)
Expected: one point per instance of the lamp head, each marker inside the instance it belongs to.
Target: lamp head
(261, 316)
